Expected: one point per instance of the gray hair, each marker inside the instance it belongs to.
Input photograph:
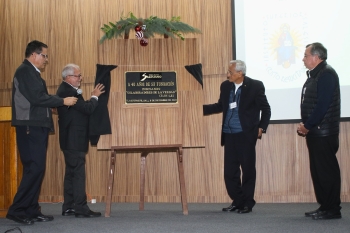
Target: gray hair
(240, 66)
(69, 70)
(319, 50)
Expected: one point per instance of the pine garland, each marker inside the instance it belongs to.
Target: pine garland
(173, 28)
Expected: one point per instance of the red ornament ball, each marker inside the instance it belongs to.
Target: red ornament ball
(143, 42)
(138, 28)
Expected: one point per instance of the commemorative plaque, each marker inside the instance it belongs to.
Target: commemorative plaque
(150, 87)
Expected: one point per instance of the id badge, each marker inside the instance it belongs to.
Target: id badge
(233, 105)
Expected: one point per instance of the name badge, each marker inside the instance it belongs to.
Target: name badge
(233, 105)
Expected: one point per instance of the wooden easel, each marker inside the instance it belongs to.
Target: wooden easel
(146, 128)
(145, 150)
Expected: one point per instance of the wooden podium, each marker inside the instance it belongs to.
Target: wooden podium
(147, 127)
(10, 164)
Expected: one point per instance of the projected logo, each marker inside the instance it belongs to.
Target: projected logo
(285, 37)
(285, 46)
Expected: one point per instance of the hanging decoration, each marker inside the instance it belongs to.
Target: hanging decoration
(147, 28)
(139, 34)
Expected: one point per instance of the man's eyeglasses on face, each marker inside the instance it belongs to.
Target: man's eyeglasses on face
(77, 76)
(44, 55)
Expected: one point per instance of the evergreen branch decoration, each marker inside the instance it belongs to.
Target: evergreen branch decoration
(150, 26)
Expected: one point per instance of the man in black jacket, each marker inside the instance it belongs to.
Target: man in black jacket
(74, 141)
(32, 117)
(246, 115)
(320, 113)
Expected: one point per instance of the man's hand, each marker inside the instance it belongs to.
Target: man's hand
(70, 101)
(260, 133)
(54, 111)
(99, 89)
(302, 131)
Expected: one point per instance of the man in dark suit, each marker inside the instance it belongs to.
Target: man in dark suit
(31, 115)
(73, 135)
(246, 115)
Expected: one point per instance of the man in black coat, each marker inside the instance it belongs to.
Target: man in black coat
(320, 113)
(74, 142)
(246, 115)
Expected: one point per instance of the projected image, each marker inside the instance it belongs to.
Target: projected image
(284, 46)
(284, 50)
(271, 36)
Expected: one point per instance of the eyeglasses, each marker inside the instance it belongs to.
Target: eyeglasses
(44, 55)
(77, 76)
(308, 55)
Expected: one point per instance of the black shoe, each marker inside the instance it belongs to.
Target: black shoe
(311, 213)
(244, 210)
(43, 218)
(20, 219)
(89, 214)
(68, 212)
(326, 215)
(231, 208)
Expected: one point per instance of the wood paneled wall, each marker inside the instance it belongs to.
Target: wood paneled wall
(71, 28)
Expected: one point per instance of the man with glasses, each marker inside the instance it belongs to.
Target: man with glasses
(320, 114)
(246, 115)
(32, 117)
(74, 141)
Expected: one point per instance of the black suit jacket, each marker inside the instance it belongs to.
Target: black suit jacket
(253, 101)
(74, 121)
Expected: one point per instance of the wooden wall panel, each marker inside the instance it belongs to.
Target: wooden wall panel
(71, 28)
(192, 125)
(279, 179)
(344, 160)
(216, 38)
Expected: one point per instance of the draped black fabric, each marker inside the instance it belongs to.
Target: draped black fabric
(99, 122)
(196, 71)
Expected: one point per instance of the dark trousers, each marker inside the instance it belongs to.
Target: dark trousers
(325, 171)
(74, 182)
(239, 153)
(32, 146)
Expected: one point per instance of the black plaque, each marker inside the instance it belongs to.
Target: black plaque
(150, 87)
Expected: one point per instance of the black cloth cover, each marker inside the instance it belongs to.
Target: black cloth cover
(196, 71)
(99, 122)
